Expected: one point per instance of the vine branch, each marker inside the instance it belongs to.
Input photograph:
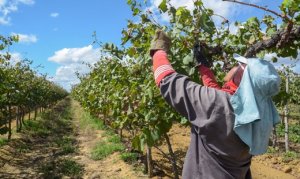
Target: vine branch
(278, 40)
(259, 7)
(224, 20)
(163, 153)
(274, 41)
(153, 21)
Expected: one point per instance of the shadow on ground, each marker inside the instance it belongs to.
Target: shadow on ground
(44, 148)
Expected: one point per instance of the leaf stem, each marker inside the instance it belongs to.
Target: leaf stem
(225, 20)
(152, 19)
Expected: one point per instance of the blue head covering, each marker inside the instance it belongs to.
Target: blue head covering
(255, 113)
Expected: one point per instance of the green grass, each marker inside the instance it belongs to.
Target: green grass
(290, 156)
(286, 156)
(3, 142)
(70, 168)
(62, 167)
(88, 120)
(46, 115)
(294, 132)
(104, 149)
(22, 148)
(113, 138)
(32, 125)
(272, 150)
(129, 157)
(48, 169)
(66, 115)
(36, 127)
(109, 132)
(66, 144)
(294, 111)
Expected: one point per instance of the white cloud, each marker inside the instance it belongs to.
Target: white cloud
(224, 9)
(16, 57)
(76, 55)
(294, 63)
(71, 61)
(9, 6)
(28, 2)
(219, 7)
(54, 14)
(24, 38)
(66, 75)
(2, 2)
(4, 21)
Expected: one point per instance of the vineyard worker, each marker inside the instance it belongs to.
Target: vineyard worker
(228, 125)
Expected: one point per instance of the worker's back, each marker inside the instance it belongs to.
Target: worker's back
(215, 150)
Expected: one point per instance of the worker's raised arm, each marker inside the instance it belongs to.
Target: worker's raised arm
(190, 99)
(207, 76)
(203, 65)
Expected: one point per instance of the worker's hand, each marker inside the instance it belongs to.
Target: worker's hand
(200, 56)
(160, 42)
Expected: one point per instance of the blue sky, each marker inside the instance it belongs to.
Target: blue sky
(57, 34)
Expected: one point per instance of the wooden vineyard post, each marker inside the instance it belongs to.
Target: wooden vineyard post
(149, 166)
(286, 121)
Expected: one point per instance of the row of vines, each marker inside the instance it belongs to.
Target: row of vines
(22, 89)
(120, 88)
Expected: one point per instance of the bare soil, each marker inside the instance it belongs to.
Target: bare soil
(29, 155)
(110, 167)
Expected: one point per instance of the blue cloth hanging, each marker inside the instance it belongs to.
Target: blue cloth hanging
(255, 113)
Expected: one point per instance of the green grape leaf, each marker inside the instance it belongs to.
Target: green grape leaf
(163, 6)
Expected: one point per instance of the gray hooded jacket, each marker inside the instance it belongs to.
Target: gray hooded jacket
(215, 151)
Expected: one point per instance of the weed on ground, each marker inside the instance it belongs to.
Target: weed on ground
(104, 149)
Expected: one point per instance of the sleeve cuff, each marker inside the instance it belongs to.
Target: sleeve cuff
(161, 66)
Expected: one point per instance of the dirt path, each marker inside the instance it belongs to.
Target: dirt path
(112, 166)
(262, 171)
(37, 151)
